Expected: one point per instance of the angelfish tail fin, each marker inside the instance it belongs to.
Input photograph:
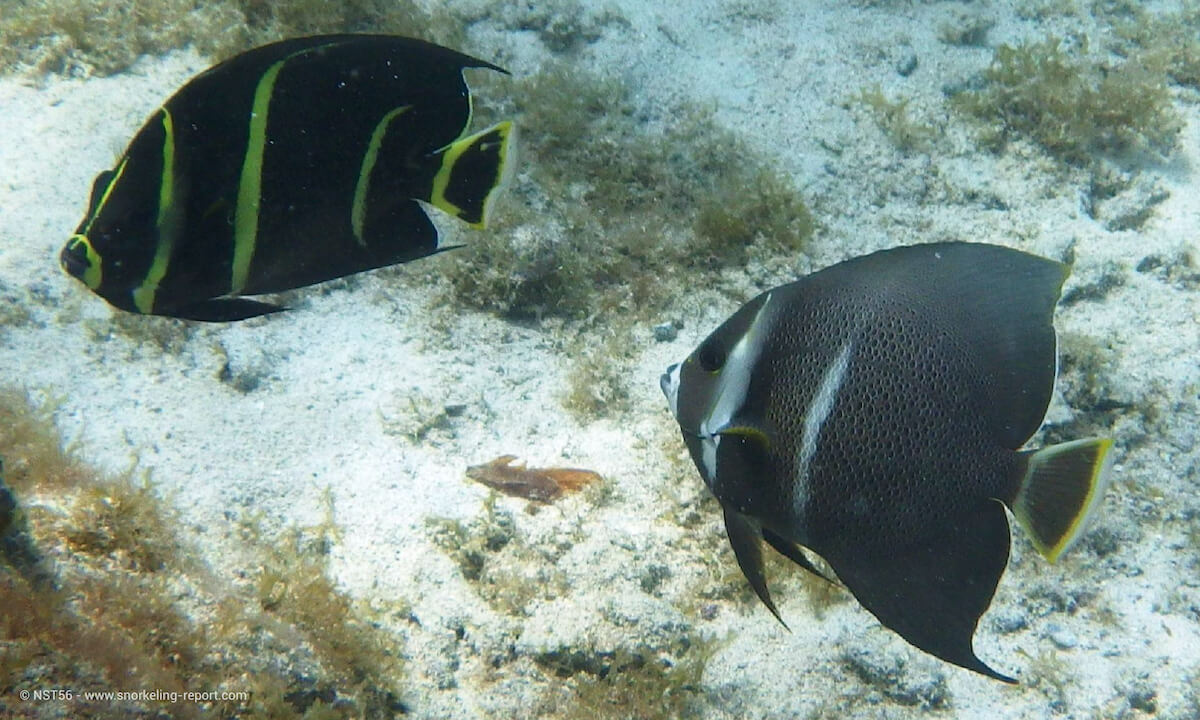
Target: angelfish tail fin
(473, 170)
(1060, 491)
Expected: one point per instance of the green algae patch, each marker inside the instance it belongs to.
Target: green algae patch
(894, 120)
(494, 558)
(101, 593)
(629, 683)
(598, 381)
(90, 36)
(612, 218)
(1085, 382)
(610, 211)
(1072, 103)
(1167, 40)
(103, 37)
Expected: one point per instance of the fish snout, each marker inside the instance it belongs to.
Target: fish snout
(669, 382)
(80, 259)
(74, 258)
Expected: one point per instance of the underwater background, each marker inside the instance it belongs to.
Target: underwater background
(276, 513)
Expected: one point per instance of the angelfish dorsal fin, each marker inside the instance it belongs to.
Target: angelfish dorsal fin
(746, 540)
(998, 303)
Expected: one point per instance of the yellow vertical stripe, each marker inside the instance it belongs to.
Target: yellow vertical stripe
(168, 224)
(94, 275)
(112, 183)
(358, 211)
(249, 196)
(437, 197)
(456, 147)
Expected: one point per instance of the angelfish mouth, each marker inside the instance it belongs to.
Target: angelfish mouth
(74, 259)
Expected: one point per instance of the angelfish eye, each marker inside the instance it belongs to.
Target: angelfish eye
(711, 357)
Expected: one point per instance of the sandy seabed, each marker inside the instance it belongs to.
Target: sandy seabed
(334, 393)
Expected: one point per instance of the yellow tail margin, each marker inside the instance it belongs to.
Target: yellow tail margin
(1062, 487)
(473, 171)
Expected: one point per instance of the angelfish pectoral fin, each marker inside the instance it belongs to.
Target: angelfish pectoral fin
(746, 540)
(933, 591)
(748, 432)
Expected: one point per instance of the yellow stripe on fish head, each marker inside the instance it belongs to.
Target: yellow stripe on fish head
(81, 260)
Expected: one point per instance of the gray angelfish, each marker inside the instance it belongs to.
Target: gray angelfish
(874, 413)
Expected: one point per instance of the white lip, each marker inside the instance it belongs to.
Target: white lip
(669, 382)
(733, 383)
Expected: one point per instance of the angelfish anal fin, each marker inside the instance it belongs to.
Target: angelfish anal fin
(933, 590)
(746, 539)
(225, 310)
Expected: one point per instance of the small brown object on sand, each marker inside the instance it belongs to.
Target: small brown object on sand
(540, 484)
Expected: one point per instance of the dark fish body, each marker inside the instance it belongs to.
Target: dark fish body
(288, 165)
(874, 413)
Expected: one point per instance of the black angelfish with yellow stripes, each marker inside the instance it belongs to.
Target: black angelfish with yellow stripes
(288, 165)
(875, 413)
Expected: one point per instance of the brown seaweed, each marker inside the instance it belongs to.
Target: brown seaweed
(540, 484)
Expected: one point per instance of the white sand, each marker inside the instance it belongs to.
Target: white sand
(341, 375)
